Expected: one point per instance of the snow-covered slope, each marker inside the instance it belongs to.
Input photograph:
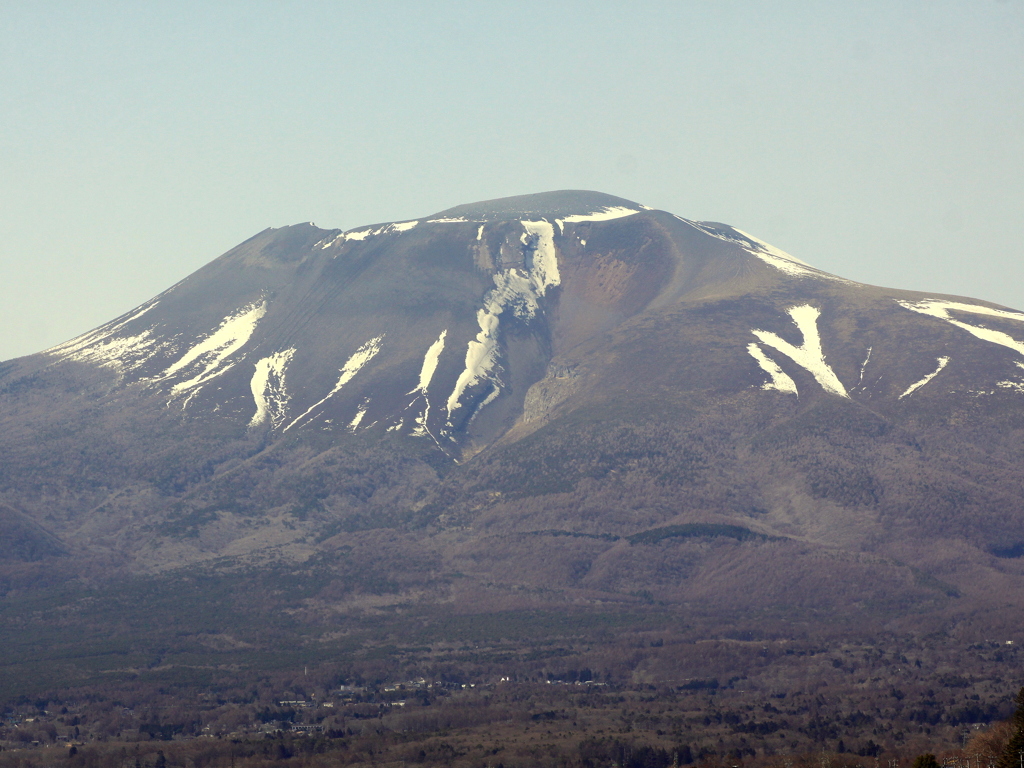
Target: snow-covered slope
(309, 329)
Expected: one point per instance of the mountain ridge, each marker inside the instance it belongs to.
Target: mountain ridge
(570, 361)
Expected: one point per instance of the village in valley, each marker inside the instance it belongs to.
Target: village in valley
(507, 720)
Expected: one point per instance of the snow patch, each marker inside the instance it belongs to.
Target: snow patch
(942, 361)
(122, 353)
(420, 430)
(454, 220)
(358, 417)
(210, 357)
(268, 389)
(863, 367)
(403, 226)
(769, 249)
(791, 268)
(361, 235)
(430, 363)
(515, 290)
(426, 374)
(781, 381)
(607, 213)
(769, 254)
(544, 269)
(352, 366)
(102, 347)
(941, 308)
(491, 397)
(481, 356)
(808, 355)
(795, 268)
(1017, 386)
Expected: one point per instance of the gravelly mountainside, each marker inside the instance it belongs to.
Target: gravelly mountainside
(564, 396)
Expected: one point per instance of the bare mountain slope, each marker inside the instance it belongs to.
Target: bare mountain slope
(564, 395)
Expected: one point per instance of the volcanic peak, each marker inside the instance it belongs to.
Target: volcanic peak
(560, 204)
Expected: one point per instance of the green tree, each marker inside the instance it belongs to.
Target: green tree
(926, 761)
(1015, 746)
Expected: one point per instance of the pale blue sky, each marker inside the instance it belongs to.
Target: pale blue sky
(883, 141)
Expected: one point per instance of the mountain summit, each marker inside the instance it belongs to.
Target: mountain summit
(565, 390)
(562, 204)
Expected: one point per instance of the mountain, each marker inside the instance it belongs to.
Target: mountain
(561, 399)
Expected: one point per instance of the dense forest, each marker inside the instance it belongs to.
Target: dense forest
(524, 687)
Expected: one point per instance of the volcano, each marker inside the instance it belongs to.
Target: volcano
(560, 398)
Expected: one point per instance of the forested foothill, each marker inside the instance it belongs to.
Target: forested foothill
(559, 721)
(647, 687)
